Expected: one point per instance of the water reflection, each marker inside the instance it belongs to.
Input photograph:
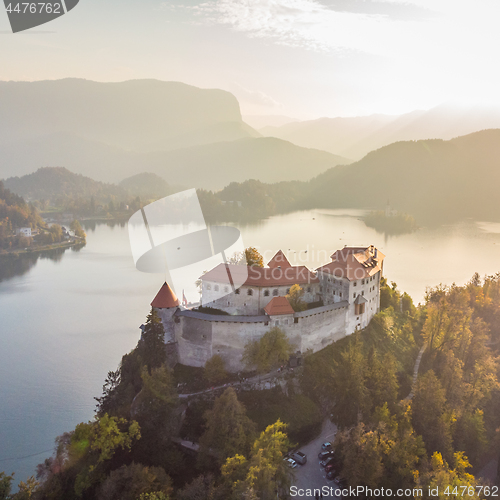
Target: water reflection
(13, 265)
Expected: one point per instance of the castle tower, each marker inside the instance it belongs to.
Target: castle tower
(166, 303)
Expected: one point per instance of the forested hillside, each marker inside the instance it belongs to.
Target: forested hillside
(15, 213)
(58, 189)
(438, 433)
(434, 181)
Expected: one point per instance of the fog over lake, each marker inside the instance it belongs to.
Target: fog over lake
(66, 321)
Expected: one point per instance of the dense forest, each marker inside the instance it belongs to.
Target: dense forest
(15, 213)
(56, 189)
(439, 432)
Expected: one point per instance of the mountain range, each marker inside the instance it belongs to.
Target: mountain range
(111, 131)
(433, 180)
(357, 136)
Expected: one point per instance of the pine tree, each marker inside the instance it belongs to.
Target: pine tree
(153, 342)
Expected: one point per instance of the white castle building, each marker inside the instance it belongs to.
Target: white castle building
(342, 296)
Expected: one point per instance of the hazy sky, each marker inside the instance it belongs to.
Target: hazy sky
(301, 58)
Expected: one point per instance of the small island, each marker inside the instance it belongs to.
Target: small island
(391, 221)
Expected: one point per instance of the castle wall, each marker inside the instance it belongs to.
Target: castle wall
(194, 341)
(198, 339)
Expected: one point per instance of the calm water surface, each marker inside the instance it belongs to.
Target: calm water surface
(64, 323)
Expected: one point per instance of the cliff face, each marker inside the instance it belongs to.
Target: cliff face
(133, 115)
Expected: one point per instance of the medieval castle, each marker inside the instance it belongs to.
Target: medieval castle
(342, 296)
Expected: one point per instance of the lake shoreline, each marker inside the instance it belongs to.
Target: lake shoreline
(44, 248)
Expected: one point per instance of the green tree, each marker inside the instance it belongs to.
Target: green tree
(348, 385)
(451, 484)
(27, 490)
(152, 344)
(130, 481)
(77, 229)
(228, 429)
(429, 416)
(362, 453)
(5, 485)
(201, 488)
(295, 298)
(156, 406)
(381, 380)
(253, 257)
(268, 474)
(270, 351)
(157, 495)
(94, 443)
(215, 370)
(56, 232)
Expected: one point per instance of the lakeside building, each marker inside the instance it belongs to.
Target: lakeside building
(342, 297)
(24, 231)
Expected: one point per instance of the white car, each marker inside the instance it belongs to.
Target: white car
(291, 463)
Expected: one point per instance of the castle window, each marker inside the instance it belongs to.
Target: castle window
(353, 295)
(340, 294)
(276, 323)
(209, 287)
(237, 291)
(355, 283)
(275, 292)
(309, 289)
(287, 291)
(228, 303)
(295, 320)
(286, 322)
(249, 291)
(266, 293)
(363, 293)
(216, 288)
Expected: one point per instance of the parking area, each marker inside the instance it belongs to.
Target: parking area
(312, 475)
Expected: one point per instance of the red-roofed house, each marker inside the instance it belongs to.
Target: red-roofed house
(260, 285)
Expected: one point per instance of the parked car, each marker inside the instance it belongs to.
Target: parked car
(300, 457)
(331, 467)
(326, 446)
(291, 463)
(328, 461)
(331, 474)
(325, 454)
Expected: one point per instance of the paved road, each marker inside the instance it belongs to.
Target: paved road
(311, 475)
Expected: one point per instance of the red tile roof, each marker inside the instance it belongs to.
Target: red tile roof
(354, 263)
(165, 298)
(261, 276)
(279, 260)
(278, 305)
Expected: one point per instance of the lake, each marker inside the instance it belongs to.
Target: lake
(65, 321)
